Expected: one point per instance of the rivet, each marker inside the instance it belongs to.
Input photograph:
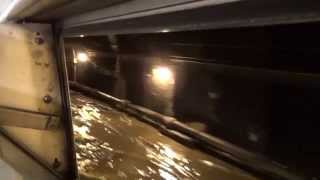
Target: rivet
(47, 99)
(39, 40)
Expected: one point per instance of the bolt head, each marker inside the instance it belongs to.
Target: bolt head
(39, 40)
(47, 99)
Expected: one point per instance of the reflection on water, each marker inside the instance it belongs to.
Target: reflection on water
(113, 145)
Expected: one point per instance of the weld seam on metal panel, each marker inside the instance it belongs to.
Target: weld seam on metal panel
(27, 111)
(18, 118)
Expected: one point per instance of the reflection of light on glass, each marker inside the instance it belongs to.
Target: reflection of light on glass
(82, 57)
(81, 35)
(162, 76)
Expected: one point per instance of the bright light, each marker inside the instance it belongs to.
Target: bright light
(5, 13)
(82, 57)
(165, 30)
(162, 76)
(81, 35)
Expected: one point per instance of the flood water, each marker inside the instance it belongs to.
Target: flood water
(113, 145)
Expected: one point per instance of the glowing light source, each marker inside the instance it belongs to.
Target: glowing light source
(165, 30)
(162, 75)
(81, 35)
(82, 57)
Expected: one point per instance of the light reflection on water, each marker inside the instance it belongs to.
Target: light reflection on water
(113, 145)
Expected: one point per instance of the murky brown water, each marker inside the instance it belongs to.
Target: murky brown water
(113, 145)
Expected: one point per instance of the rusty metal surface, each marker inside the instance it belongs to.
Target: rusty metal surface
(28, 69)
(25, 119)
(30, 93)
(19, 165)
(113, 145)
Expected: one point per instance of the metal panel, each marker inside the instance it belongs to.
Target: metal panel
(21, 118)
(27, 8)
(29, 78)
(73, 8)
(31, 96)
(45, 10)
(19, 164)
